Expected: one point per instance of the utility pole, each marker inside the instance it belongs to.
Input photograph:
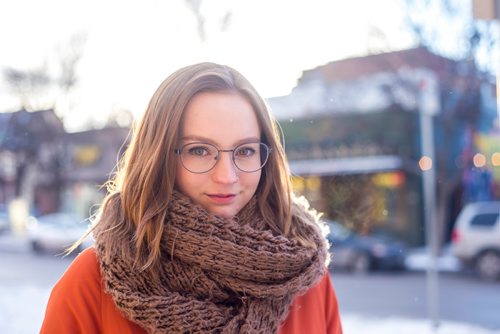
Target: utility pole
(428, 106)
(486, 9)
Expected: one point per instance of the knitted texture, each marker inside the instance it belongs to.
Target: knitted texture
(217, 275)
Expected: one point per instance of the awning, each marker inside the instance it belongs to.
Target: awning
(342, 166)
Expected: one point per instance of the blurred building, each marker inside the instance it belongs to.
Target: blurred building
(29, 155)
(89, 159)
(52, 170)
(352, 135)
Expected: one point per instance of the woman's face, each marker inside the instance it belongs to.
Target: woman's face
(224, 120)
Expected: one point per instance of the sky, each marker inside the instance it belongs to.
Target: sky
(131, 46)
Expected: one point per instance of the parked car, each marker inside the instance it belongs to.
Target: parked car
(56, 232)
(361, 254)
(476, 238)
(4, 220)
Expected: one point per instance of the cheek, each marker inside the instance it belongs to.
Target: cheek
(183, 180)
(252, 180)
(178, 177)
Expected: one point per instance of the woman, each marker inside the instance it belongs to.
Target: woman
(201, 233)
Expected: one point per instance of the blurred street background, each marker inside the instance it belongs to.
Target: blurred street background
(380, 302)
(390, 117)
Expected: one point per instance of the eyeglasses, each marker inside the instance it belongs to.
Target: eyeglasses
(202, 157)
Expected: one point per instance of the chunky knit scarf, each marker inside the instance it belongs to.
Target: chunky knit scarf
(218, 275)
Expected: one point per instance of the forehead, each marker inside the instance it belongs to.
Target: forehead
(224, 118)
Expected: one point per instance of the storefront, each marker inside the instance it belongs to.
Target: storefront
(369, 195)
(361, 170)
(89, 160)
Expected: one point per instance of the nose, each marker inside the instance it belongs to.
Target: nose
(225, 171)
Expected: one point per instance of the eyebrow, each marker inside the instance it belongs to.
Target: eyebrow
(209, 141)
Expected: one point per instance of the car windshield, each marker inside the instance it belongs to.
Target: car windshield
(59, 220)
(338, 231)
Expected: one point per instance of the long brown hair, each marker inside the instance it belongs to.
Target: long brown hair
(145, 180)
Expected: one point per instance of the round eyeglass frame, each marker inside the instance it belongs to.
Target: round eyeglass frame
(178, 151)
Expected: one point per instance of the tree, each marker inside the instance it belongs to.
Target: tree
(196, 7)
(69, 55)
(476, 41)
(28, 85)
(39, 88)
(474, 47)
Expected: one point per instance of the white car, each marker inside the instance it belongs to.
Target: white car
(56, 232)
(4, 221)
(476, 238)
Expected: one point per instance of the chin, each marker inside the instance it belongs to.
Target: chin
(227, 214)
(224, 213)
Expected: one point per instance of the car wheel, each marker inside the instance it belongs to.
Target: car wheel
(488, 265)
(361, 263)
(78, 249)
(37, 248)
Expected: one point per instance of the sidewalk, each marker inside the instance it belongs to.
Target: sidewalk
(353, 323)
(15, 317)
(11, 243)
(418, 260)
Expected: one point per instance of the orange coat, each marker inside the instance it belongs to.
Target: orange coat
(78, 304)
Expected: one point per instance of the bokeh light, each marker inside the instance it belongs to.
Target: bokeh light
(479, 160)
(425, 163)
(495, 159)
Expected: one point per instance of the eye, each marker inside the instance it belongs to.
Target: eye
(245, 151)
(199, 150)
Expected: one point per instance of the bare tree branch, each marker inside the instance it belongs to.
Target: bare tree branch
(195, 6)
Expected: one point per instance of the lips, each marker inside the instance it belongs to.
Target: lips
(221, 198)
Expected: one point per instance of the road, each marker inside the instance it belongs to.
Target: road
(463, 298)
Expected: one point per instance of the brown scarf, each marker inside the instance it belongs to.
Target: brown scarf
(218, 275)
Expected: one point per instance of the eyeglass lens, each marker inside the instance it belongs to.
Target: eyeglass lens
(202, 157)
